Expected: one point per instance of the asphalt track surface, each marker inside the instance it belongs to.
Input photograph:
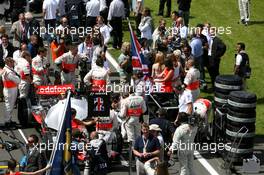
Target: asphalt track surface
(204, 164)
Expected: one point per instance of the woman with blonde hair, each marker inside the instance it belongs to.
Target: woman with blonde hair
(158, 66)
(165, 78)
(178, 70)
(125, 63)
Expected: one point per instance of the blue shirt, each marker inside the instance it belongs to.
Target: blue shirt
(197, 47)
(33, 50)
(152, 144)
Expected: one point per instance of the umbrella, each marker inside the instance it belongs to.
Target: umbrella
(54, 115)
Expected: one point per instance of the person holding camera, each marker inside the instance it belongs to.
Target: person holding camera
(183, 140)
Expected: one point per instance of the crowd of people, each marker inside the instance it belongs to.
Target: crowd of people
(177, 56)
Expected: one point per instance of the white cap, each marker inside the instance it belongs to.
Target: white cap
(154, 127)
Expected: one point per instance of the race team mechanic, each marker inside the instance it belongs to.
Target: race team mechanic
(10, 81)
(68, 63)
(81, 125)
(185, 103)
(40, 65)
(191, 80)
(23, 69)
(133, 108)
(98, 77)
(184, 135)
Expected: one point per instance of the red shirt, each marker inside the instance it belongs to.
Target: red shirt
(167, 85)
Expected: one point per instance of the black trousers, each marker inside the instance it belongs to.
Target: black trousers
(104, 14)
(90, 21)
(50, 24)
(117, 31)
(213, 68)
(138, 20)
(161, 7)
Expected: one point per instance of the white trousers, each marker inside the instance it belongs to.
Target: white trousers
(133, 128)
(186, 162)
(244, 9)
(10, 95)
(39, 80)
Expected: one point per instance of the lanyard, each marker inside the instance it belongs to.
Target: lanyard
(145, 145)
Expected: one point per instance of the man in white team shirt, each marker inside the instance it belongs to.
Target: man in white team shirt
(191, 80)
(23, 69)
(98, 77)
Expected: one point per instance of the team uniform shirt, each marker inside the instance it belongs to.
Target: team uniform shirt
(10, 81)
(10, 78)
(134, 106)
(96, 51)
(68, 62)
(39, 70)
(97, 77)
(23, 69)
(17, 55)
(185, 134)
(192, 83)
(184, 99)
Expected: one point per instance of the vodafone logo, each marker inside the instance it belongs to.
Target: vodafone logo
(54, 89)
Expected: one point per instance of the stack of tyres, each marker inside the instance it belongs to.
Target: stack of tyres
(241, 114)
(224, 84)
